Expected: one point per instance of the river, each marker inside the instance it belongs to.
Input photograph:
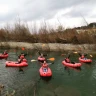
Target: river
(64, 81)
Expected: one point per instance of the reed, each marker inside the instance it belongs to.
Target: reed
(21, 33)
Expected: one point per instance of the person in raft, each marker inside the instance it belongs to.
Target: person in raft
(45, 66)
(21, 58)
(67, 60)
(83, 56)
(5, 52)
(41, 54)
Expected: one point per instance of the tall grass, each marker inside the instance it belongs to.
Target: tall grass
(21, 33)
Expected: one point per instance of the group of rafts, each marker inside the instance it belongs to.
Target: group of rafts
(44, 70)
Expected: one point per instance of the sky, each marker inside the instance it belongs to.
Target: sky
(68, 13)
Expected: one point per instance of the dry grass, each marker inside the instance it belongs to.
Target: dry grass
(21, 33)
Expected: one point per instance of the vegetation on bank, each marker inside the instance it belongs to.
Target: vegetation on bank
(21, 33)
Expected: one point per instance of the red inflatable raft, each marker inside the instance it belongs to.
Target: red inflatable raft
(85, 60)
(45, 72)
(2, 56)
(41, 59)
(71, 64)
(15, 64)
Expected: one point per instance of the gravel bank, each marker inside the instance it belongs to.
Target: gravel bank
(50, 46)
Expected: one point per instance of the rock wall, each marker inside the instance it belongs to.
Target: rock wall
(49, 46)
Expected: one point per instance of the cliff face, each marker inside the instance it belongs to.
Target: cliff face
(49, 46)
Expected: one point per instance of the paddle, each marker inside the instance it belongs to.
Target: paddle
(75, 52)
(51, 59)
(68, 56)
(33, 60)
(23, 54)
(50, 63)
(81, 54)
(39, 52)
(42, 53)
(91, 56)
(63, 54)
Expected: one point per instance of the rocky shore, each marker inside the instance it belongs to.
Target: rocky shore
(50, 46)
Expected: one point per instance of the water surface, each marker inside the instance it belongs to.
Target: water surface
(64, 82)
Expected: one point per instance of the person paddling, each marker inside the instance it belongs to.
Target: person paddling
(67, 60)
(82, 56)
(41, 58)
(5, 52)
(21, 58)
(45, 66)
(41, 54)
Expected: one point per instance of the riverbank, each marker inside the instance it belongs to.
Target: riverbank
(49, 46)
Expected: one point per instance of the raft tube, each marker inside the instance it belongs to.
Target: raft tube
(43, 73)
(15, 64)
(85, 60)
(41, 59)
(75, 65)
(2, 56)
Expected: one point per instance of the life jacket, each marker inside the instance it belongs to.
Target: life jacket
(21, 57)
(24, 60)
(5, 53)
(82, 57)
(45, 65)
(67, 60)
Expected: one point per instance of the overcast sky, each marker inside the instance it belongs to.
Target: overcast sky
(69, 13)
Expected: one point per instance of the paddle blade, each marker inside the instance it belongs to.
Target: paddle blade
(51, 59)
(91, 56)
(62, 54)
(50, 63)
(75, 52)
(33, 60)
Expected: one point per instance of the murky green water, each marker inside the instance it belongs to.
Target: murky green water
(64, 82)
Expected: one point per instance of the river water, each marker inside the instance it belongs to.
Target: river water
(64, 81)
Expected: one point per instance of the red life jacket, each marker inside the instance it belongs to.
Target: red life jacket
(24, 60)
(21, 57)
(45, 65)
(67, 60)
(5, 53)
(82, 57)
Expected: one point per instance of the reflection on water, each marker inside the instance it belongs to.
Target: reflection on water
(21, 70)
(71, 68)
(46, 79)
(65, 81)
